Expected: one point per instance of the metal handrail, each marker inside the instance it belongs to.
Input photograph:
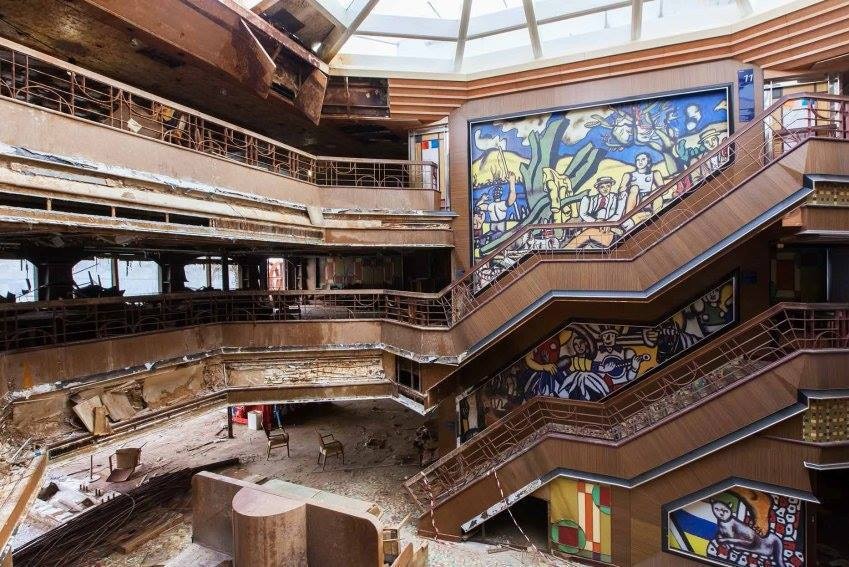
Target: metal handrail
(755, 346)
(43, 81)
(778, 135)
(44, 323)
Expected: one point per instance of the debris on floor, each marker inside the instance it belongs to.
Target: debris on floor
(379, 438)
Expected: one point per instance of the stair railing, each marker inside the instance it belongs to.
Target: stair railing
(739, 355)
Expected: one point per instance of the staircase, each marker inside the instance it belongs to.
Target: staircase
(762, 344)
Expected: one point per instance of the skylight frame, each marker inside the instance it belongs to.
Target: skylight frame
(528, 15)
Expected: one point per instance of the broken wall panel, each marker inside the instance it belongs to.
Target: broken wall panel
(356, 97)
(308, 368)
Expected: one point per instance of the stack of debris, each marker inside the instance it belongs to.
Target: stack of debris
(122, 518)
(99, 408)
(60, 500)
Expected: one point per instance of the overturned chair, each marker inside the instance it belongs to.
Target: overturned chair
(276, 438)
(329, 446)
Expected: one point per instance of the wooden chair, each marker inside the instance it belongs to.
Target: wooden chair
(126, 462)
(276, 438)
(328, 445)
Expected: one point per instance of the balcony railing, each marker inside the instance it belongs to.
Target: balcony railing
(43, 81)
(775, 132)
(54, 322)
(738, 356)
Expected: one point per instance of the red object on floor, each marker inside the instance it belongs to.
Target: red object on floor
(240, 414)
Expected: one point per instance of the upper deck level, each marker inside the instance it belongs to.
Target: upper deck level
(108, 122)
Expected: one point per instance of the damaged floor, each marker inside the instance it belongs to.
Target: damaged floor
(371, 473)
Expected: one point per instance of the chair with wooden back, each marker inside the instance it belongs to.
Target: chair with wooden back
(329, 446)
(276, 438)
(126, 461)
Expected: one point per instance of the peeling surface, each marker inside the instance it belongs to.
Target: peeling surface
(189, 186)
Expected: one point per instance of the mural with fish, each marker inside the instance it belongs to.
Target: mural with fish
(588, 165)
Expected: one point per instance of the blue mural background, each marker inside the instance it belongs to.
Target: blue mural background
(554, 162)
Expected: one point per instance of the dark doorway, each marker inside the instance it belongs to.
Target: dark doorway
(831, 518)
(531, 515)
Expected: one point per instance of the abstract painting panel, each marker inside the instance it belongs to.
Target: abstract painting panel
(579, 518)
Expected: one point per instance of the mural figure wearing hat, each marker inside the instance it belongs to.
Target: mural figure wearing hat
(639, 184)
(615, 363)
(604, 205)
(499, 206)
(708, 141)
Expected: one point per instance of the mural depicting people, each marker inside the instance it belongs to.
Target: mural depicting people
(581, 382)
(589, 361)
(561, 156)
(709, 140)
(713, 311)
(543, 362)
(498, 207)
(741, 526)
(640, 184)
(615, 363)
(602, 206)
(671, 338)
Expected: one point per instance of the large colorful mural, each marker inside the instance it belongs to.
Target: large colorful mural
(741, 526)
(587, 165)
(579, 518)
(588, 361)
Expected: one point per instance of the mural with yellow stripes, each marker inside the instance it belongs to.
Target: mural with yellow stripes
(579, 518)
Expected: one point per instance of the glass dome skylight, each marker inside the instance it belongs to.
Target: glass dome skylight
(477, 37)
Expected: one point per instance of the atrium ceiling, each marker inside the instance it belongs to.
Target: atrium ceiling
(467, 39)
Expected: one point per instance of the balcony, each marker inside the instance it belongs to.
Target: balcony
(112, 123)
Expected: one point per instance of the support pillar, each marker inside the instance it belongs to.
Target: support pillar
(173, 274)
(56, 278)
(229, 422)
(253, 273)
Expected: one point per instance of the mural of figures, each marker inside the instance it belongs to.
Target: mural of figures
(579, 518)
(583, 165)
(589, 361)
(741, 526)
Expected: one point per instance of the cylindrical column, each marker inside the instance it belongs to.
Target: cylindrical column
(268, 530)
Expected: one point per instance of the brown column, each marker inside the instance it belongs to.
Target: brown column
(56, 277)
(253, 273)
(268, 530)
(173, 273)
